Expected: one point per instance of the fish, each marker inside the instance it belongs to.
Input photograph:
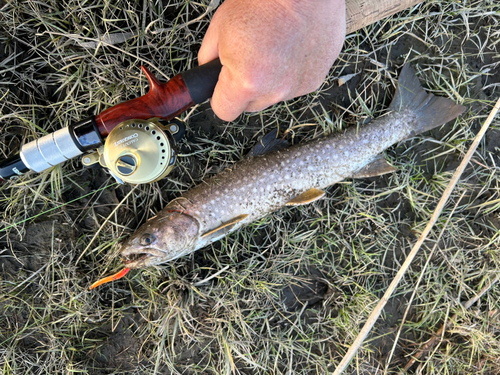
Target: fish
(274, 177)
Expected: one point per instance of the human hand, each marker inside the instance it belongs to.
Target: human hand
(271, 50)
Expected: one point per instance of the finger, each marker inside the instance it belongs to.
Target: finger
(275, 95)
(229, 100)
(209, 49)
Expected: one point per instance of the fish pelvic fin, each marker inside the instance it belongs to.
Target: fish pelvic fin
(377, 167)
(307, 197)
(431, 111)
(227, 224)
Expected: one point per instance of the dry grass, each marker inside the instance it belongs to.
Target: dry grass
(347, 247)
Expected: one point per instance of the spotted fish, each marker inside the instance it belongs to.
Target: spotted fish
(296, 175)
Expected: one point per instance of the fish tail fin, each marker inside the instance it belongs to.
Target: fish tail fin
(431, 111)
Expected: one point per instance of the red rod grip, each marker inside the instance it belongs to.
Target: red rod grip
(164, 100)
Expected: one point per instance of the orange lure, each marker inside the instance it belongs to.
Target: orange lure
(114, 277)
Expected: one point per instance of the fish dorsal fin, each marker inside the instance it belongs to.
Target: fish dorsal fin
(237, 219)
(377, 167)
(268, 143)
(309, 196)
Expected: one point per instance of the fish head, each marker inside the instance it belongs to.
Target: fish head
(159, 240)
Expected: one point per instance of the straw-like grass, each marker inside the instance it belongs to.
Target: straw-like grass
(230, 308)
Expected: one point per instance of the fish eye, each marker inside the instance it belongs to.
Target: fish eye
(147, 239)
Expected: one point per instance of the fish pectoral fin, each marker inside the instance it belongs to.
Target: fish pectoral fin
(231, 222)
(309, 196)
(377, 167)
(268, 143)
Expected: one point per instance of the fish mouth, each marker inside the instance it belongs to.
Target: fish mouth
(135, 258)
(143, 258)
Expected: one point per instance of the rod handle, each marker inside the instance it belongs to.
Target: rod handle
(201, 81)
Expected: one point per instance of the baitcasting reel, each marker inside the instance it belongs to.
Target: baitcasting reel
(139, 151)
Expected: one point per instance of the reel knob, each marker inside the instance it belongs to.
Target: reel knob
(140, 151)
(126, 165)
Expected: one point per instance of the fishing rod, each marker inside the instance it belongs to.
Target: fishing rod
(134, 140)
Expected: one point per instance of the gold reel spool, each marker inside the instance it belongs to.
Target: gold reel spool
(139, 151)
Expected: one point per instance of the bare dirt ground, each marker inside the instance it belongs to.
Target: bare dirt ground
(292, 291)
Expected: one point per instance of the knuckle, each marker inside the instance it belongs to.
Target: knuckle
(249, 85)
(239, 85)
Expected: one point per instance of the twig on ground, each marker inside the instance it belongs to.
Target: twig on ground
(429, 257)
(439, 208)
(211, 277)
